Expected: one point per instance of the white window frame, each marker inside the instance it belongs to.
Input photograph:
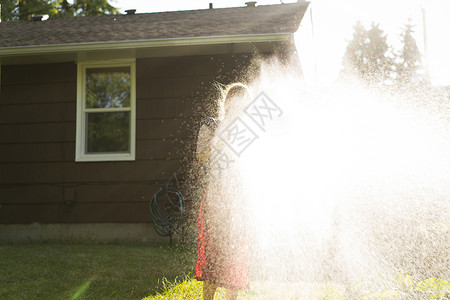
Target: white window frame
(80, 153)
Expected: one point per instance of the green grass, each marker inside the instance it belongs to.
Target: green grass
(191, 289)
(90, 271)
(159, 272)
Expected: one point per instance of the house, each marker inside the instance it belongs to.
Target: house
(96, 112)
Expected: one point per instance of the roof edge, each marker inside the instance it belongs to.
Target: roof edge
(272, 37)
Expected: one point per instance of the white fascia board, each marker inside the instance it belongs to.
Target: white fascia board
(208, 40)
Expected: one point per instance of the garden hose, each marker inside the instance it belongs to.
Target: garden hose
(168, 218)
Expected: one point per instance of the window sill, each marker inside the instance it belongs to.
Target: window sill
(105, 157)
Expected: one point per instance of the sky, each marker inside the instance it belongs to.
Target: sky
(322, 47)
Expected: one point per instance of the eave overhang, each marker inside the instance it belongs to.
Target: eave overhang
(139, 44)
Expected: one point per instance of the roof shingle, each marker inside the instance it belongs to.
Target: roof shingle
(269, 19)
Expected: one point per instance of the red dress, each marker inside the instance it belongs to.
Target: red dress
(222, 245)
(220, 260)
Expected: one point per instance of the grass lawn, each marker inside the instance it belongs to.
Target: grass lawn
(157, 272)
(52, 271)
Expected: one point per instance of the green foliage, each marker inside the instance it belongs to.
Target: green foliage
(13, 10)
(65, 9)
(434, 288)
(24, 9)
(28, 8)
(93, 8)
(9, 10)
(106, 88)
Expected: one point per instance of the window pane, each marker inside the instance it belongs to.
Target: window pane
(108, 132)
(108, 87)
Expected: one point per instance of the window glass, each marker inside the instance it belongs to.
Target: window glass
(106, 111)
(108, 132)
(108, 87)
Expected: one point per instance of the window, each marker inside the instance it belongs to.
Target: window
(106, 113)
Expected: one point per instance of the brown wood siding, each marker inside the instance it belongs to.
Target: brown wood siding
(39, 178)
(125, 211)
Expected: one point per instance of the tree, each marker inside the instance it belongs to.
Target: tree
(65, 9)
(27, 8)
(409, 64)
(9, 10)
(368, 56)
(93, 8)
(353, 61)
(24, 9)
(379, 55)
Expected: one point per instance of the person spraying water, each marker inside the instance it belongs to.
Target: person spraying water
(222, 258)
